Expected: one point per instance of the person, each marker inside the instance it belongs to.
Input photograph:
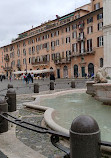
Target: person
(43, 75)
(52, 76)
(1, 78)
(32, 76)
(10, 78)
(28, 77)
(25, 77)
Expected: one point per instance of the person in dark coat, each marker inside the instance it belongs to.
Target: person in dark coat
(52, 77)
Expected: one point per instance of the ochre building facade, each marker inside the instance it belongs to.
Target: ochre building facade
(71, 45)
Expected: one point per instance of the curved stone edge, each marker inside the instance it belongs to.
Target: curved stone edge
(49, 112)
(48, 116)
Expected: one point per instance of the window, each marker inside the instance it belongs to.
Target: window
(90, 30)
(90, 20)
(89, 45)
(101, 62)
(74, 47)
(68, 29)
(52, 34)
(74, 35)
(96, 6)
(33, 49)
(52, 43)
(29, 60)
(33, 60)
(37, 48)
(18, 52)
(24, 52)
(57, 33)
(62, 55)
(100, 26)
(74, 26)
(100, 41)
(18, 61)
(30, 51)
(68, 40)
(57, 42)
(68, 55)
(24, 61)
(100, 16)
(53, 56)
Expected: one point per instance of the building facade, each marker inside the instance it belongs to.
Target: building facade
(72, 45)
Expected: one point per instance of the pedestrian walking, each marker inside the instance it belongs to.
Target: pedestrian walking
(1, 77)
(32, 76)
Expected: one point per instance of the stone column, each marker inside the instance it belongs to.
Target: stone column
(107, 35)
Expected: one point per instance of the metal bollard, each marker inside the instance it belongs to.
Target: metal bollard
(3, 122)
(10, 86)
(11, 94)
(51, 85)
(72, 84)
(84, 138)
(36, 88)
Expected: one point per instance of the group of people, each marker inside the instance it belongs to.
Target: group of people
(27, 77)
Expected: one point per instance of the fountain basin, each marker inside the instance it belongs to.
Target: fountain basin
(103, 92)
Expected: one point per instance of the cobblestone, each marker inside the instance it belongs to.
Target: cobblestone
(36, 141)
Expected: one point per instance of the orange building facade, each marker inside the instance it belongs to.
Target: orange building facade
(71, 45)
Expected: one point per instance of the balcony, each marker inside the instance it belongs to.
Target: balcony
(90, 51)
(40, 63)
(7, 68)
(63, 61)
(79, 39)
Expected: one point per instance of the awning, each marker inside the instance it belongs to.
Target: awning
(33, 71)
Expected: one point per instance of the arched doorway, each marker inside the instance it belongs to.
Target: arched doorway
(75, 70)
(65, 72)
(90, 69)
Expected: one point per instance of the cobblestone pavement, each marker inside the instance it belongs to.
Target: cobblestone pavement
(44, 85)
(38, 142)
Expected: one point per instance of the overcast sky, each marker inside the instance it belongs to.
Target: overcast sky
(17, 16)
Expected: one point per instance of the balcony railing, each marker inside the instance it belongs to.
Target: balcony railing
(81, 39)
(7, 68)
(63, 61)
(83, 52)
(40, 63)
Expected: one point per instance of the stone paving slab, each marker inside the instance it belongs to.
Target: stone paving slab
(14, 148)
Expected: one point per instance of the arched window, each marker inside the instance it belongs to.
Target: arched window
(90, 69)
(75, 70)
(101, 62)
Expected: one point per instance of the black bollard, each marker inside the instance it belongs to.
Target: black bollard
(10, 86)
(3, 122)
(36, 88)
(11, 95)
(84, 138)
(51, 85)
(72, 84)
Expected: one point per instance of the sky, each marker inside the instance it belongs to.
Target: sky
(17, 16)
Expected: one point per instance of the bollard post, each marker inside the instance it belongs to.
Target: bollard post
(72, 84)
(3, 122)
(84, 138)
(10, 86)
(11, 94)
(36, 88)
(51, 85)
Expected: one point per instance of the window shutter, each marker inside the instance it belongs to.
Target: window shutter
(98, 42)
